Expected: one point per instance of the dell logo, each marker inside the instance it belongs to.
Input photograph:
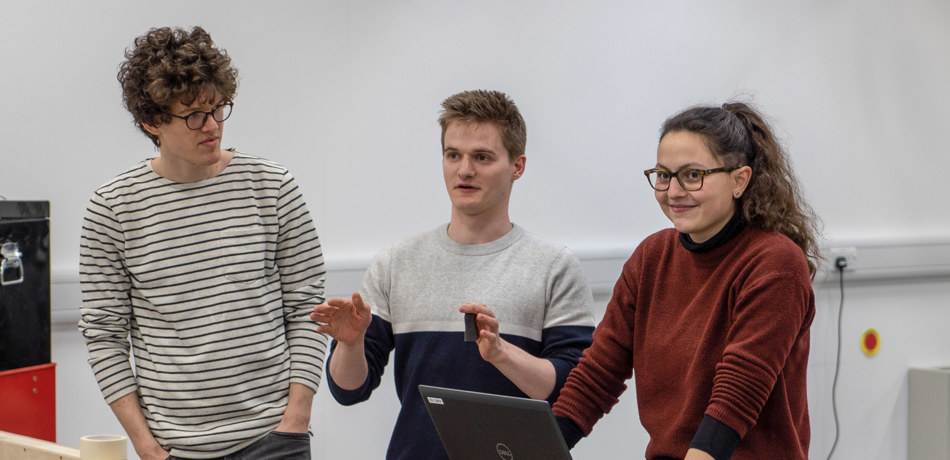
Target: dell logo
(503, 451)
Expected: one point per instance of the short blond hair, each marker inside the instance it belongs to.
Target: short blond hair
(483, 106)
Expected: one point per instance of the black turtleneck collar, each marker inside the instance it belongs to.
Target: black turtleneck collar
(732, 228)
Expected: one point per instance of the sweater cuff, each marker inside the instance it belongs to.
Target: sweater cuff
(715, 438)
(569, 431)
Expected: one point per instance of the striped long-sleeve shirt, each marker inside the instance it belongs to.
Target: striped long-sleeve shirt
(210, 285)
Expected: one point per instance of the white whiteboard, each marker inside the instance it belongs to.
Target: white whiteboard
(346, 95)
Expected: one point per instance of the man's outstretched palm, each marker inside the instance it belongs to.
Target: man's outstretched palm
(346, 320)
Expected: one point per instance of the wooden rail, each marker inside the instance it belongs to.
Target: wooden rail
(16, 447)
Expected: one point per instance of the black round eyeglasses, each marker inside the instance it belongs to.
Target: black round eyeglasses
(198, 119)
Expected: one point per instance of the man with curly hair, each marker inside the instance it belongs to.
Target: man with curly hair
(205, 263)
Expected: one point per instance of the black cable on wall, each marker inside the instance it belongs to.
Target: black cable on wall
(840, 264)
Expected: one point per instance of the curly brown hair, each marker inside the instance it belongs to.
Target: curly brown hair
(169, 65)
(739, 135)
(483, 106)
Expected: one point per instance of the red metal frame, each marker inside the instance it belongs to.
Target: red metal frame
(28, 401)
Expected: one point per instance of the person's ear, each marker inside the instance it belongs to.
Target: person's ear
(152, 129)
(519, 167)
(740, 180)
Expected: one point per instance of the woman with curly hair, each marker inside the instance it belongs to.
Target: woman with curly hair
(203, 264)
(712, 316)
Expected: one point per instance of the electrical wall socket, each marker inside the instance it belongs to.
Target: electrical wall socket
(849, 253)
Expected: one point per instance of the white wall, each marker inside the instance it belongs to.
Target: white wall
(346, 95)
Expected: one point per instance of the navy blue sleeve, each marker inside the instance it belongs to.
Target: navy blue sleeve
(563, 346)
(378, 344)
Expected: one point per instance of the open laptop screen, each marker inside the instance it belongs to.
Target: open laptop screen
(480, 426)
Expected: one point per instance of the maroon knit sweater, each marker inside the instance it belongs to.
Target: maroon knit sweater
(722, 333)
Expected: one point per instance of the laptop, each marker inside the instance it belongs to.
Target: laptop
(482, 426)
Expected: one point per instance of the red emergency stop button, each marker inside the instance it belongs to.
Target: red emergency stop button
(870, 342)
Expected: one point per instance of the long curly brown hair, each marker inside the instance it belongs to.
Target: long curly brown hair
(739, 135)
(169, 65)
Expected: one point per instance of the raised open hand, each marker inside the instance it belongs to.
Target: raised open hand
(346, 320)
